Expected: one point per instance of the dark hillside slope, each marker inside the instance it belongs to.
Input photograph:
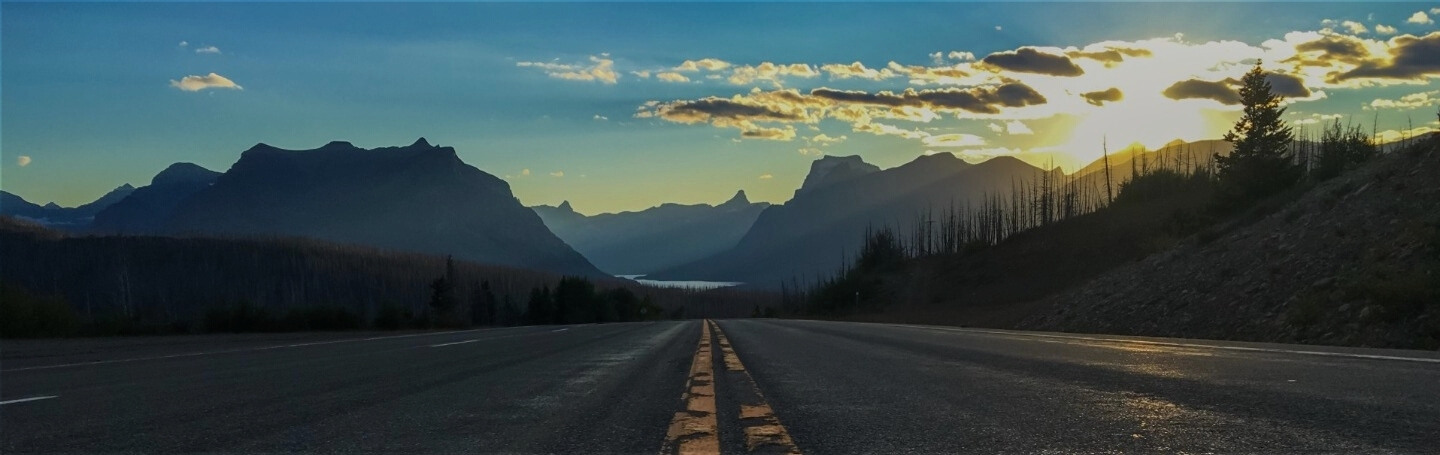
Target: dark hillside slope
(1355, 261)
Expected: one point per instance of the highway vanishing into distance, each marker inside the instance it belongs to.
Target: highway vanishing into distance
(731, 386)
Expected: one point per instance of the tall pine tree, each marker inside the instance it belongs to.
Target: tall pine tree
(1261, 163)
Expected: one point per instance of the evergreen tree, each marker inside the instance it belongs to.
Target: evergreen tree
(1261, 163)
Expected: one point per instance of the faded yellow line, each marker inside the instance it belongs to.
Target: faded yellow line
(693, 430)
(762, 428)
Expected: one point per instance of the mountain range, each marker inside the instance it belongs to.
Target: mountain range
(841, 198)
(643, 242)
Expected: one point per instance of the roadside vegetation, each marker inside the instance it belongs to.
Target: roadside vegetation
(56, 285)
(995, 264)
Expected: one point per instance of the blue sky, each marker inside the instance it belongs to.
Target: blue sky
(97, 94)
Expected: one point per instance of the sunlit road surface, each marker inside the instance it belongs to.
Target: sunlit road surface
(737, 386)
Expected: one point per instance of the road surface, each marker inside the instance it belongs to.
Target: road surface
(732, 386)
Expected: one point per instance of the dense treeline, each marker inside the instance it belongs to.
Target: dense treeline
(1161, 199)
(57, 285)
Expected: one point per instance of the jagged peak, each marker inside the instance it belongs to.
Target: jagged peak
(421, 143)
(125, 187)
(738, 199)
(51, 205)
(565, 206)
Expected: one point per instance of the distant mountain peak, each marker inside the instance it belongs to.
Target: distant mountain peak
(125, 187)
(739, 199)
(421, 143)
(185, 173)
(338, 145)
(833, 169)
(565, 206)
(52, 205)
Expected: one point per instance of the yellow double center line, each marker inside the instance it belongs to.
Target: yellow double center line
(694, 429)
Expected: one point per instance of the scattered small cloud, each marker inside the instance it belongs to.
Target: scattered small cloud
(198, 83)
(1017, 127)
(823, 139)
(996, 127)
(600, 118)
(1385, 29)
(207, 50)
(766, 176)
(671, 76)
(1099, 98)
(184, 44)
(524, 172)
(1411, 101)
(641, 74)
(953, 140)
(1420, 18)
(1317, 118)
(810, 151)
(22, 161)
(557, 174)
(707, 64)
(601, 68)
(998, 28)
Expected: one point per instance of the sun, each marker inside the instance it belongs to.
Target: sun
(1151, 123)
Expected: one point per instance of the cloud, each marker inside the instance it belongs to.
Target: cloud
(881, 129)
(707, 64)
(770, 72)
(998, 28)
(1385, 29)
(557, 174)
(1017, 127)
(1317, 118)
(184, 43)
(1225, 91)
(1355, 28)
(1099, 98)
(1198, 89)
(22, 160)
(939, 58)
(671, 76)
(856, 70)
(601, 68)
(641, 74)
(996, 127)
(1109, 55)
(1411, 57)
(953, 140)
(823, 139)
(981, 100)
(1031, 60)
(1411, 101)
(601, 118)
(525, 171)
(1419, 18)
(774, 134)
(207, 50)
(198, 83)
(810, 151)
(766, 176)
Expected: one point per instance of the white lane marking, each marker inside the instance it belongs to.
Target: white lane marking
(22, 400)
(232, 351)
(1180, 345)
(455, 343)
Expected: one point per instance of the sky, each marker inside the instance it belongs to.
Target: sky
(624, 106)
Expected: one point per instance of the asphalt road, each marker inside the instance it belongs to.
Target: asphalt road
(733, 386)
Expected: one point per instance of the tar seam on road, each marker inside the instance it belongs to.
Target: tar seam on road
(22, 400)
(1179, 345)
(693, 430)
(763, 430)
(233, 351)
